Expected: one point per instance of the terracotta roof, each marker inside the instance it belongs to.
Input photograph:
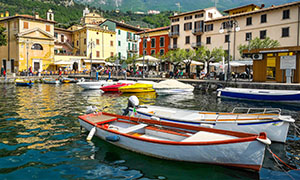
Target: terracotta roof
(249, 5)
(124, 25)
(26, 17)
(187, 13)
(62, 29)
(155, 30)
(256, 11)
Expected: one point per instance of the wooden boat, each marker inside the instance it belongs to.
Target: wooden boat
(260, 94)
(136, 88)
(51, 81)
(114, 87)
(171, 86)
(250, 120)
(24, 82)
(178, 142)
(93, 85)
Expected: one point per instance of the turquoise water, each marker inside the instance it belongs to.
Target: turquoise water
(40, 138)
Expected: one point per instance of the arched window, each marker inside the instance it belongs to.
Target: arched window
(37, 47)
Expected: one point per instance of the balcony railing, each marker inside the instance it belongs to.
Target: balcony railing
(173, 34)
(174, 46)
(196, 44)
(198, 31)
(131, 38)
(134, 50)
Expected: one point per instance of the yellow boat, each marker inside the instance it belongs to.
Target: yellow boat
(136, 88)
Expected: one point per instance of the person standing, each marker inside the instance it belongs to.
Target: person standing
(2, 71)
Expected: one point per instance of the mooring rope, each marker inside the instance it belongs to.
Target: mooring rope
(297, 129)
(276, 158)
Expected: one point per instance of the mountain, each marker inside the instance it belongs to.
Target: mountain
(174, 5)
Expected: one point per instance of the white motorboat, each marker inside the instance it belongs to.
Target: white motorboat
(93, 85)
(171, 86)
(178, 142)
(250, 120)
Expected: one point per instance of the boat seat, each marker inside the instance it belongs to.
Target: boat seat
(202, 136)
(133, 128)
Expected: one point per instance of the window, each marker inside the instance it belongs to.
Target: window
(37, 47)
(119, 43)
(119, 31)
(199, 15)
(153, 43)
(188, 17)
(286, 14)
(84, 41)
(97, 53)
(145, 52)
(263, 18)
(111, 54)
(97, 41)
(187, 26)
(15, 24)
(119, 55)
(263, 34)
(208, 40)
(55, 35)
(48, 28)
(175, 28)
(152, 52)
(128, 46)
(248, 36)
(77, 43)
(145, 42)
(210, 15)
(111, 43)
(162, 41)
(161, 52)
(227, 38)
(62, 38)
(209, 27)
(249, 21)
(187, 39)
(198, 26)
(175, 20)
(285, 32)
(25, 25)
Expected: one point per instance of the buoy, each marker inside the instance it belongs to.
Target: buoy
(91, 134)
(112, 138)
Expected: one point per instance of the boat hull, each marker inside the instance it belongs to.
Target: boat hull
(136, 88)
(173, 91)
(260, 95)
(247, 154)
(276, 129)
(113, 88)
(94, 85)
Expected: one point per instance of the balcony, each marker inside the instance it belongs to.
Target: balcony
(196, 44)
(133, 50)
(131, 38)
(174, 46)
(198, 31)
(173, 34)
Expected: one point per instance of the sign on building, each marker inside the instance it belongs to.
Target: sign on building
(287, 62)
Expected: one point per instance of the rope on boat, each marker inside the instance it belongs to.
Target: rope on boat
(297, 129)
(276, 158)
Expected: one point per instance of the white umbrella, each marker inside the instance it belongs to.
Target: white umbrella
(193, 62)
(148, 58)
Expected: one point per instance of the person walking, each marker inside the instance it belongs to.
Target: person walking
(2, 70)
(4, 73)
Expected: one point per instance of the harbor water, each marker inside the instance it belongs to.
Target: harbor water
(40, 137)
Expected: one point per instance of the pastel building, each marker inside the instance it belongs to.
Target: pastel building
(30, 42)
(126, 39)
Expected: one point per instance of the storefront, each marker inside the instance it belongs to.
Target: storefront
(276, 64)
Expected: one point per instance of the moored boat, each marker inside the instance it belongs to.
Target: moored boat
(250, 120)
(260, 94)
(136, 88)
(171, 86)
(178, 142)
(24, 82)
(51, 81)
(93, 85)
(114, 87)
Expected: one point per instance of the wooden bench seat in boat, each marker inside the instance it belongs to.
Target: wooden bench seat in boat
(207, 136)
(133, 128)
(100, 119)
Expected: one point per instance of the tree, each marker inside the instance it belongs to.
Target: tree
(189, 56)
(257, 43)
(205, 55)
(175, 57)
(3, 40)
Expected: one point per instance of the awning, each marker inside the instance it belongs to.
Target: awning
(193, 62)
(63, 63)
(94, 61)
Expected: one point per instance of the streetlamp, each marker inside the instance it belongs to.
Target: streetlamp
(144, 47)
(228, 25)
(91, 45)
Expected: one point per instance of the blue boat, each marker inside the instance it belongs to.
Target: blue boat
(23, 82)
(260, 94)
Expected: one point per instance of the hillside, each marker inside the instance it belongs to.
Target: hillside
(172, 5)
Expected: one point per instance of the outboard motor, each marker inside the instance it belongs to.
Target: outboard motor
(133, 101)
(91, 109)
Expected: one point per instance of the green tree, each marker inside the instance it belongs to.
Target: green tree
(205, 55)
(188, 57)
(3, 40)
(175, 57)
(257, 43)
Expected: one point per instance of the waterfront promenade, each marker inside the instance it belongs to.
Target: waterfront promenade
(205, 84)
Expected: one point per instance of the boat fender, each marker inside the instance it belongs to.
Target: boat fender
(91, 134)
(112, 138)
(155, 118)
(287, 119)
(219, 93)
(206, 125)
(113, 127)
(263, 138)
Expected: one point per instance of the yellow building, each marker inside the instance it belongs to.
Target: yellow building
(243, 9)
(30, 42)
